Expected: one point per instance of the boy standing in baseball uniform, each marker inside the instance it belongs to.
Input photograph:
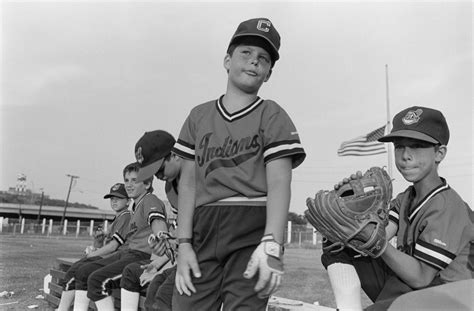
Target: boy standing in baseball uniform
(114, 239)
(430, 220)
(234, 193)
(148, 216)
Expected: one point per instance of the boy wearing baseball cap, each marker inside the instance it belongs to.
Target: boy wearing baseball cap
(238, 153)
(148, 215)
(113, 240)
(154, 151)
(429, 219)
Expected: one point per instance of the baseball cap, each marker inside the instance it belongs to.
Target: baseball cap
(151, 150)
(420, 123)
(262, 28)
(117, 190)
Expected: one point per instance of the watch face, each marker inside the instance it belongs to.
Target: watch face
(272, 249)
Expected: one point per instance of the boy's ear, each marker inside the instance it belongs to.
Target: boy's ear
(440, 153)
(227, 62)
(268, 75)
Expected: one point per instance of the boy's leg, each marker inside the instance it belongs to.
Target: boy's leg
(205, 237)
(67, 297)
(160, 292)
(346, 287)
(130, 285)
(236, 244)
(81, 301)
(101, 282)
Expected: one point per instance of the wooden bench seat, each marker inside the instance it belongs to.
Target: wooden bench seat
(63, 264)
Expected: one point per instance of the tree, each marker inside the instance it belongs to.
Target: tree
(297, 219)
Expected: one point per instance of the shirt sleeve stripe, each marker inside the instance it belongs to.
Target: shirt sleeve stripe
(118, 238)
(437, 249)
(394, 216)
(155, 215)
(184, 150)
(431, 257)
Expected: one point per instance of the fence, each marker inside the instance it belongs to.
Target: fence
(299, 235)
(48, 227)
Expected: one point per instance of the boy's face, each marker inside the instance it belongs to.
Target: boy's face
(416, 159)
(170, 169)
(118, 204)
(248, 67)
(134, 189)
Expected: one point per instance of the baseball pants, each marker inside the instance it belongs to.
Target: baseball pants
(69, 281)
(224, 238)
(160, 291)
(377, 280)
(104, 274)
(131, 276)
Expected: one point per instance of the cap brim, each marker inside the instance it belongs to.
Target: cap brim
(408, 134)
(114, 195)
(275, 50)
(148, 171)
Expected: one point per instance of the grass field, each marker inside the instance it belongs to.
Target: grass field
(25, 260)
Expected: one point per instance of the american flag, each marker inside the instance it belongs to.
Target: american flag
(364, 145)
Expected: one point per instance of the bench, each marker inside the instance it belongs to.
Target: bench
(58, 273)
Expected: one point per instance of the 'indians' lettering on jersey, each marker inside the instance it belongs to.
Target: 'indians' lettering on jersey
(231, 150)
(437, 230)
(230, 153)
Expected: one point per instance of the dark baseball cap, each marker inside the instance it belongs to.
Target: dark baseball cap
(117, 190)
(151, 150)
(420, 123)
(260, 28)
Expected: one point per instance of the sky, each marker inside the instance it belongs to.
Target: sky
(82, 81)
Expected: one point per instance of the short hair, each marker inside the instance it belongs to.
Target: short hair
(255, 41)
(135, 167)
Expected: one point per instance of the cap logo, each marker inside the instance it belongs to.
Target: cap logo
(139, 156)
(264, 25)
(412, 117)
(116, 187)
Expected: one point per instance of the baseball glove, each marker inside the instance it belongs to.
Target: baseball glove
(355, 215)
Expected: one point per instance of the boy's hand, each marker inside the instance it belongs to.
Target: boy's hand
(267, 259)
(346, 180)
(163, 243)
(187, 262)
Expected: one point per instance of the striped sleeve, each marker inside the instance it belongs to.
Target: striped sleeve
(121, 227)
(281, 138)
(154, 209)
(441, 231)
(184, 146)
(394, 212)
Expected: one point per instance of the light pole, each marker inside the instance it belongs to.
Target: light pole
(67, 198)
(41, 204)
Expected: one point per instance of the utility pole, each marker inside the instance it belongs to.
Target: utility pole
(67, 198)
(41, 205)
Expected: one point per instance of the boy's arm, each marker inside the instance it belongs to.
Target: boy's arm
(412, 271)
(105, 250)
(266, 259)
(278, 197)
(186, 256)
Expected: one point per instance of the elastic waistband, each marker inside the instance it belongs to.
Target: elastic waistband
(240, 201)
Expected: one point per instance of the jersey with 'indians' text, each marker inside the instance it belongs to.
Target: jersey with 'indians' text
(147, 209)
(437, 230)
(119, 228)
(231, 150)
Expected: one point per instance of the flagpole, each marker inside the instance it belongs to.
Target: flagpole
(389, 124)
